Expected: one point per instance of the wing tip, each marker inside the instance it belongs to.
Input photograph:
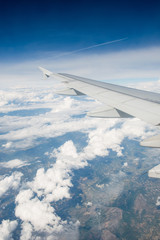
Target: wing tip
(46, 73)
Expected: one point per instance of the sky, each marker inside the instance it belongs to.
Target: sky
(49, 33)
(28, 28)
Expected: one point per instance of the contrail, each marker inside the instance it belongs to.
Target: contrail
(98, 45)
(93, 46)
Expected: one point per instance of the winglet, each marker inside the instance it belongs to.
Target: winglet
(46, 73)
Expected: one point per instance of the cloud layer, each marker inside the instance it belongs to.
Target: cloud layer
(36, 198)
(15, 163)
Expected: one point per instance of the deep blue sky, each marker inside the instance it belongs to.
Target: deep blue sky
(28, 27)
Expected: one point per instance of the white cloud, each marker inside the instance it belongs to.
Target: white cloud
(103, 138)
(125, 164)
(22, 132)
(153, 86)
(6, 229)
(15, 163)
(11, 182)
(39, 219)
(33, 205)
(26, 233)
(7, 145)
(49, 186)
(39, 213)
(69, 231)
(54, 183)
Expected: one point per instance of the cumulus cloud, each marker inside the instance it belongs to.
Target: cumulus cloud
(102, 139)
(6, 229)
(26, 233)
(40, 214)
(39, 218)
(15, 163)
(55, 183)
(11, 182)
(33, 205)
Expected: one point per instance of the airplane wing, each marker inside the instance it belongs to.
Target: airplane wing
(118, 101)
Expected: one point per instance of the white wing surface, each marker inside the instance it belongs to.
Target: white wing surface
(118, 101)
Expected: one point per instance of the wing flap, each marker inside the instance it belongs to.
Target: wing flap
(144, 110)
(151, 142)
(108, 112)
(154, 172)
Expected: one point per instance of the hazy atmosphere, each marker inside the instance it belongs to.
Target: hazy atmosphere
(64, 175)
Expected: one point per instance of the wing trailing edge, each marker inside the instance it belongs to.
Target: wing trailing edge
(69, 92)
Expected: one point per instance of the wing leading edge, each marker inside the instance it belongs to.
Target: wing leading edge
(133, 102)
